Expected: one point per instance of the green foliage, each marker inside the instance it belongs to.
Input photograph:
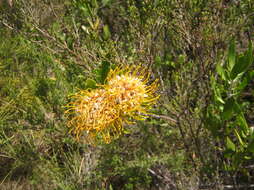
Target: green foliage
(103, 71)
(201, 131)
(226, 116)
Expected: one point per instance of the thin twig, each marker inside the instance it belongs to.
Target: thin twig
(61, 45)
(245, 186)
(8, 26)
(238, 186)
(164, 117)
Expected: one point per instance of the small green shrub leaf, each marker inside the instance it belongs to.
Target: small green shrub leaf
(218, 96)
(229, 109)
(239, 138)
(243, 62)
(90, 83)
(243, 123)
(245, 81)
(251, 146)
(106, 32)
(231, 55)
(220, 70)
(230, 145)
(239, 67)
(105, 67)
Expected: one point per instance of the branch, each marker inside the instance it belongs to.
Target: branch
(245, 186)
(164, 117)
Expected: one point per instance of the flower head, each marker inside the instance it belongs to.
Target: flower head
(93, 113)
(131, 90)
(101, 113)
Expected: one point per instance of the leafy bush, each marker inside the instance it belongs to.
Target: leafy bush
(227, 115)
(200, 133)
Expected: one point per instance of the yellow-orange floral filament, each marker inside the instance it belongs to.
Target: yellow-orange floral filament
(102, 112)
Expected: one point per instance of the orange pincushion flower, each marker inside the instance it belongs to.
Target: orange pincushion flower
(93, 113)
(131, 91)
(101, 113)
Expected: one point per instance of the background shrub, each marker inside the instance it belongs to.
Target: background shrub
(201, 133)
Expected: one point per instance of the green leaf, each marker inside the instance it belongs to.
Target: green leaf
(106, 32)
(90, 83)
(251, 146)
(228, 153)
(239, 138)
(245, 81)
(243, 62)
(231, 55)
(247, 157)
(220, 70)
(216, 90)
(95, 3)
(240, 68)
(105, 67)
(217, 95)
(85, 10)
(230, 145)
(105, 2)
(110, 187)
(249, 54)
(229, 109)
(242, 123)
